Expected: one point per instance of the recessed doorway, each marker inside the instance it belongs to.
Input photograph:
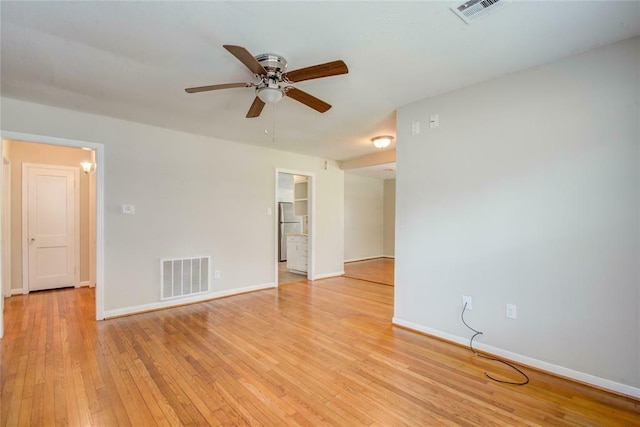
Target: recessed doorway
(38, 171)
(294, 207)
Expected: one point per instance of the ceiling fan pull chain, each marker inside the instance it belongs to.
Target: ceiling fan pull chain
(273, 115)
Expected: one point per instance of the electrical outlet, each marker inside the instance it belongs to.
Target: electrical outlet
(466, 299)
(128, 209)
(511, 311)
(216, 274)
(415, 128)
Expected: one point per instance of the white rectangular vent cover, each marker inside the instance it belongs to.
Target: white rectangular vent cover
(182, 277)
(474, 9)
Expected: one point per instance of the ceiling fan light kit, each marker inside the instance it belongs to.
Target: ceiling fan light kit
(269, 95)
(274, 82)
(382, 141)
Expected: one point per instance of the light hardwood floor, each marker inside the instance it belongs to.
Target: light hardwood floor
(285, 276)
(304, 354)
(378, 270)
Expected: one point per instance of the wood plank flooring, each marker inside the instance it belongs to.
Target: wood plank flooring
(379, 270)
(304, 354)
(285, 276)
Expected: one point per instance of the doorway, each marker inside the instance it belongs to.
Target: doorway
(294, 223)
(12, 268)
(369, 223)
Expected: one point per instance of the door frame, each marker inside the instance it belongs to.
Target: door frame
(311, 195)
(5, 262)
(99, 149)
(25, 219)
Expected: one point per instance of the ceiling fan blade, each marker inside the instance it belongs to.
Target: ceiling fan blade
(334, 68)
(246, 58)
(255, 109)
(216, 87)
(308, 100)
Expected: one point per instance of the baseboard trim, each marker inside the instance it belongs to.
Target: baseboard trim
(328, 275)
(16, 292)
(389, 256)
(547, 367)
(365, 258)
(137, 309)
(84, 284)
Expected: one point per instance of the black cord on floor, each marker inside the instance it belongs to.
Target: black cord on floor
(476, 333)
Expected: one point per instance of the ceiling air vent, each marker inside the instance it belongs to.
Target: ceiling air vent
(474, 9)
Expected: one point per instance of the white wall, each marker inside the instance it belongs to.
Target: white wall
(193, 196)
(528, 193)
(363, 217)
(389, 217)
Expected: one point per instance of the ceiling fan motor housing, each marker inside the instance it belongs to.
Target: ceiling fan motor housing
(269, 89)
(273, 63)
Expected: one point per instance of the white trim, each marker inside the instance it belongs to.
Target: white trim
(16, 291)
(25, 237)
(187, 300)
(25, 220)
(389, 256)
(3, 286)
(327, 275)
(100, 165)
(6, 226)
(529, 361)
(365, 258)
(311, 216)
(84, 284)
(92, 227)
(276, 227)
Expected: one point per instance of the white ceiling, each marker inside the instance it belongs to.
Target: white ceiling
(132, 60)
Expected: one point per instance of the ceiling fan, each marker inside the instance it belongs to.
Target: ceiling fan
(274, 82)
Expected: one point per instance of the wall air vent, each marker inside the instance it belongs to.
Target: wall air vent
(183, 277)
(475, 9)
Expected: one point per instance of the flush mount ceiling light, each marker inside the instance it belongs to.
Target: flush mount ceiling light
(382, 141)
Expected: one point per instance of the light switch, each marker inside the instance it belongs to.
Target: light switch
(511, 311)
(268, 211)
(415, 128)
(128, 209)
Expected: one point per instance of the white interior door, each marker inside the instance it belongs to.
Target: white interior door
(51, 226)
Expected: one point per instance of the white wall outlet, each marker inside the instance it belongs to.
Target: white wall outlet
(434, 121)
(415, 128)
(466, 299)
(216, 274)
(511, 311)
(128, 209)
(268, 211)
